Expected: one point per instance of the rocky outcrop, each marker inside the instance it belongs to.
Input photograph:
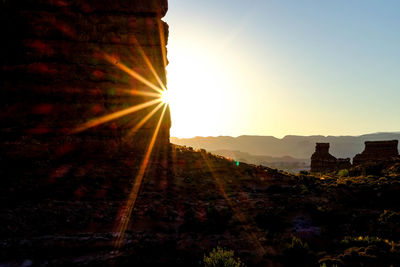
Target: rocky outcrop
(378, 151)
(375, 152)
(61, 72)
(321, 160)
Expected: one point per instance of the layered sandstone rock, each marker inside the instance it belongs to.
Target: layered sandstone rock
(375, 152)
(378, 151)
(321, 160)
(60, 70)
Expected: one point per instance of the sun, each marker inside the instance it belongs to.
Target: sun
(165, 97)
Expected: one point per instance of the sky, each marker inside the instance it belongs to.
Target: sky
(264, 67)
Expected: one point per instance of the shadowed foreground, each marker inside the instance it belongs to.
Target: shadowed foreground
(88, 176)
(192, 201)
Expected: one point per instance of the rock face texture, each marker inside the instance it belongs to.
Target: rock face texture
(65, 67)
(375, 152)
(321, 160)
(378, 151)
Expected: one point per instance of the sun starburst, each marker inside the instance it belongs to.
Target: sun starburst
(156, 97)
(165, 97)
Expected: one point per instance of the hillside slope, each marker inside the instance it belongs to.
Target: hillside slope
(286, 163)
(192, 201)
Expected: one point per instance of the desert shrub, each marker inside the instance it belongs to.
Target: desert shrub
(365, 241)
(389, 216)
(361, 256)
(368, 251)
(222, 258)
(328, 265)
(298, 245)
(394, 169)
(298, 252)
(343, 173)
(327, 262)
(304, 190)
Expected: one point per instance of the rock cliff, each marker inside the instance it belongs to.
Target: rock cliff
(321, 160)
(375, 152)
(77, 77)
(378, 151)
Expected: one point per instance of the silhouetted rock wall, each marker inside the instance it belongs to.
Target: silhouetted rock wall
(375, 152)
(60, 70)
(321, 160)
(378, 151)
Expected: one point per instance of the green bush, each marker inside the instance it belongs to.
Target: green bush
(222, 258)
(343, 173)
(298, 245)
(325, 265)
(298, 252)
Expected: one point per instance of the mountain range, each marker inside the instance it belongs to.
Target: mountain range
(298, 147)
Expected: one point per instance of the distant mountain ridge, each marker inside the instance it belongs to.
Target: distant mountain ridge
(300, 147)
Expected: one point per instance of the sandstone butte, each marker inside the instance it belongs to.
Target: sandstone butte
(59, 73)
(374, 152)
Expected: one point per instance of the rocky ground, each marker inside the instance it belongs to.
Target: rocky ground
(193, 201)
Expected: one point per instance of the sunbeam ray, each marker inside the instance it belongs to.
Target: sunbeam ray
(143, 93)
(130, 203)
(148, 63)
(238, 214)
(132, 73)
(144, 120)
(114, 116)
(135, 92)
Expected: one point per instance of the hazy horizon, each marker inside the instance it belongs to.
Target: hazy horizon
(272, 68)
(281, 137)
(300, 147)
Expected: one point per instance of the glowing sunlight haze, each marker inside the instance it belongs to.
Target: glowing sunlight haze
(270, 68)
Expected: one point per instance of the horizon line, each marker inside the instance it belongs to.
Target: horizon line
(288, 135)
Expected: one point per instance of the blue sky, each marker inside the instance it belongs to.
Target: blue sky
(287, 67)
